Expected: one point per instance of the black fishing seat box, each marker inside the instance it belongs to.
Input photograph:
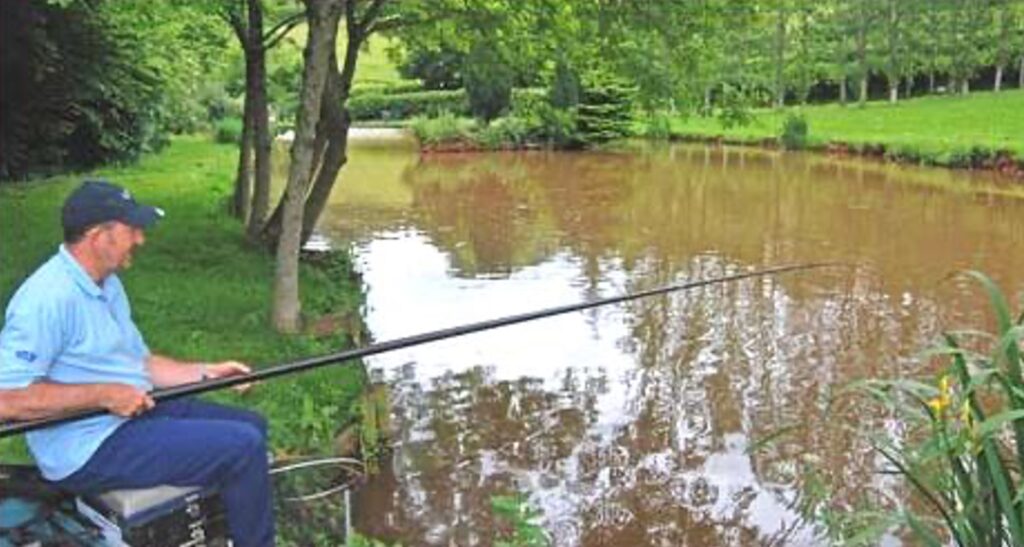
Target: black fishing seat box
(163, 516)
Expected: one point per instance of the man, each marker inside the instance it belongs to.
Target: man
(69, 343)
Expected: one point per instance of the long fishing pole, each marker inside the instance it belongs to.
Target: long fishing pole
(398, 343)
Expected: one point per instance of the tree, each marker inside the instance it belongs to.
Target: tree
(322, 17)
(83, 84)
(488, 79)
(252, 196)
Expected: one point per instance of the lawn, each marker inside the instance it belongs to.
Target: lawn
(932, 126)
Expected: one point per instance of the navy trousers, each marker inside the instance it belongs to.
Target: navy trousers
(187, 442)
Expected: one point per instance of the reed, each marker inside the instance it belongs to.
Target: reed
(962, 450)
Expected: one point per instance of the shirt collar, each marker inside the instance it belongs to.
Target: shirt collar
(79, 274)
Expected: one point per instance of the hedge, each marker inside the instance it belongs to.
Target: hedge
(399, 106)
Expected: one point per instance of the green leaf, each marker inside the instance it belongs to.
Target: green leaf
(993, 423)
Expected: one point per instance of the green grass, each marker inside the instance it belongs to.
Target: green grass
(374, 65)
(198, 290)
(933, 127)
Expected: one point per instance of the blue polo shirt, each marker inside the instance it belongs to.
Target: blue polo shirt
(62, 327)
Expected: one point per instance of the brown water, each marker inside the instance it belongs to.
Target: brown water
(633, 424)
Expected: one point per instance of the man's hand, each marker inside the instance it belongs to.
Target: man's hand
(225, 369)
(125, 400)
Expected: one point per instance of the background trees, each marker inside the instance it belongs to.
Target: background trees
(86, 82)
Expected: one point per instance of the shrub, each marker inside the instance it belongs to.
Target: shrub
(488, 77)
(659, 126)
(379, 106)
(229, 130)
(446, 127)
(565, 87)
(405, 86)
(605, 111)
(508, 132)
(794, 132)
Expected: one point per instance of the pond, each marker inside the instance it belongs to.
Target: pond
(637, 424)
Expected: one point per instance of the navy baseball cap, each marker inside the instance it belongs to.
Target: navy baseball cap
(99, 201)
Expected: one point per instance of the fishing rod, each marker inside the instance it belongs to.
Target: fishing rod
(341, 357)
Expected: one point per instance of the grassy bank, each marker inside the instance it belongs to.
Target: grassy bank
(933, 130)
(198, 290)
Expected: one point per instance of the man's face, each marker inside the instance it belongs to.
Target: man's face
(114, 243)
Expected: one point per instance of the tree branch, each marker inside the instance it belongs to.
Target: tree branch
(370, 15)
(282, 28)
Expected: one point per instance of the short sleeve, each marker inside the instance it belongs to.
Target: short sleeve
(31, 339)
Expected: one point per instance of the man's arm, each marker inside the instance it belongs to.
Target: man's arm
(45, 399)
(167, 372)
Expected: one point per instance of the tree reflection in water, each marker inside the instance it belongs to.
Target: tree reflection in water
(634, 425)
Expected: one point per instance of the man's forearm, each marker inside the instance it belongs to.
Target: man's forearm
(42, 400)
(167, 372)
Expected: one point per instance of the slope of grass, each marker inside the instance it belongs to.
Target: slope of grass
(374, 65)
(933, 127)
(198, 290)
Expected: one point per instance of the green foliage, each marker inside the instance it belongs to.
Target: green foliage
(605, 112)
(229, 131)
(506, 132)
(444, 128)
(405, 86)
(658, 126)
(489, 78)
(397, 106)
(515, 511)
(565, 87)
(438, 69)
(962, 451)
(88, 83)
(794, 132)
(547, 125)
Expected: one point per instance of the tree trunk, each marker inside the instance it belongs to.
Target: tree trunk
(908, 87)
(243, 174)
(965, 86)
(1020, 74)
(998, 83)
(780, 54)
(257, 92)
(322, 19)
(862, 58)
(893, 70)
(931, 83)
(842, 91)
(337, 123)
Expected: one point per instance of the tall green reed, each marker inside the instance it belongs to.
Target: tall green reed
(961, 450)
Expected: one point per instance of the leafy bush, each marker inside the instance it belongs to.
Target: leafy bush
(75, 94)
(379, 106)
(489, 78)
(545, 124)
(406, 86)
(794, 132)
(438, 69)
(229, 130)
(659, 126)
(605, 111)
(443, 128)
(507, 132)
(565, 87)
